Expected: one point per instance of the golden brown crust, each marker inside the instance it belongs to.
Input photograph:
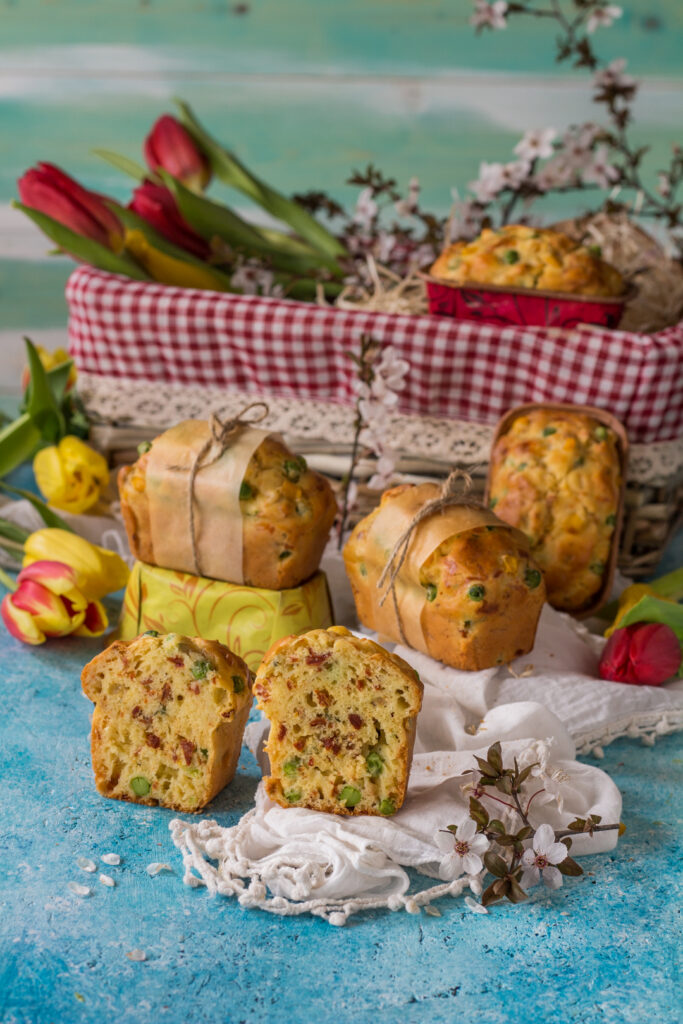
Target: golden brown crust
(518, 256)
(343, 715)
(477, 595)
(556, 476)
(287, 513)
(170, 712)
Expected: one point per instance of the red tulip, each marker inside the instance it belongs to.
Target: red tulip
(170, 146)
(47, 603)
(647, 653)
(49, 190)
(157, 206)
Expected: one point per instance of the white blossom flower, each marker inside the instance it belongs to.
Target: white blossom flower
(536, 144)
(613, 77)
(386, 464)
(255, 280)
(391, 369)
(490, 182)
(664, 184)
(490, 15)
(514, 173)
(404, 207)
(384, 247)
(463, 850)
(555, 174)
(465, 219)
(603, 17)
(541, 859)
(366, 208)
(600, 171)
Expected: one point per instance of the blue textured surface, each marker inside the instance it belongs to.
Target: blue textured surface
(603, 948)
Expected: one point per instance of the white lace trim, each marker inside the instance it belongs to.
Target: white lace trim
(646, 726)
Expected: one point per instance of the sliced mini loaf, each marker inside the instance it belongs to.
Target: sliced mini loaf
(169, 716)
(342, 714)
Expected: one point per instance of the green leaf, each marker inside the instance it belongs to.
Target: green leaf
(49, 517)
(495, 864)
(41, 404)
(568, 866)
(504, 785)
(484, 766)
(516, 894)
(496, 826)
(58, 378)
(123, 163)
(577, 825)
(10, 531)
(85, 249)
(525, 773)
(524, 833)
(489, 896)
(494, 757)
(229, 169)
(670, 585)
(18, 442)
(478, 812)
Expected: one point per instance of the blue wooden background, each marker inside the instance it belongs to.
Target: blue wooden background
(303, 90)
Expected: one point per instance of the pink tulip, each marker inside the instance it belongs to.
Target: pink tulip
(156, 205)
(48, 189)
(646, 653)
(47, 603)
(171, 147)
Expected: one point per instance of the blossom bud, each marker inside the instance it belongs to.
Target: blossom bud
(171, 147)
(644, 653)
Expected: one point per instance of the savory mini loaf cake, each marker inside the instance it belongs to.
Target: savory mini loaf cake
(519, 256)
(468, 593)
(342, 714)
(169, 716)
(286, 514)
(556, 475)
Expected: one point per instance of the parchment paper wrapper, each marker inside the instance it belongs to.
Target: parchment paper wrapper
(392, 519)
(216, 503)
(246, 619)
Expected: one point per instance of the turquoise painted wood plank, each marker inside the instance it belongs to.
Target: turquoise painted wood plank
(318, 36)
(32, 294)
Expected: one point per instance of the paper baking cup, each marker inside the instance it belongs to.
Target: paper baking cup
(491, 304)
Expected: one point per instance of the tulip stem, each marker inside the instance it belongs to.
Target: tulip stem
(7, 581)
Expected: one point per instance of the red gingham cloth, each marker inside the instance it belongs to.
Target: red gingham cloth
(459, 369)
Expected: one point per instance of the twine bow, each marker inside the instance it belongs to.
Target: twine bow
(222, 433)
(454, 491)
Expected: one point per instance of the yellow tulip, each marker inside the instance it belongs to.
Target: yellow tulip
(169, 270)
(71, 475)
(98, 572)
(50, 360)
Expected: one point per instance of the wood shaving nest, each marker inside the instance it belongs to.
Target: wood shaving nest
(657, 280)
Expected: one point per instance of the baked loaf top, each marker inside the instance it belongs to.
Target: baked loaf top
(468, 593)
(286, 514)
(169, 716)
(556, 476)
(342, 714)
(519, 256)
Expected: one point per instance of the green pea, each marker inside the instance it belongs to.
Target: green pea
(490, 529)
(549, 430)
(150, 632)
(204, 752)
(595, 250)
(532, 578)
(362, 569)
(374, 764)
(430, 591)
(598, 568)
(293, 796)
(292, 470)
(246, 491)
(493, 502)
(140, 785)
(283, 555)
(511, 256)
(291, 767)
(144, 447)
(600, 433)
(611, 520)
(387, 806)
(476, 592)
(579, 462)
(350, 796)
(237, 684)
(200, 668)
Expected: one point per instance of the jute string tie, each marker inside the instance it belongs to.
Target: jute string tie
(222, 433)
(454, 491)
